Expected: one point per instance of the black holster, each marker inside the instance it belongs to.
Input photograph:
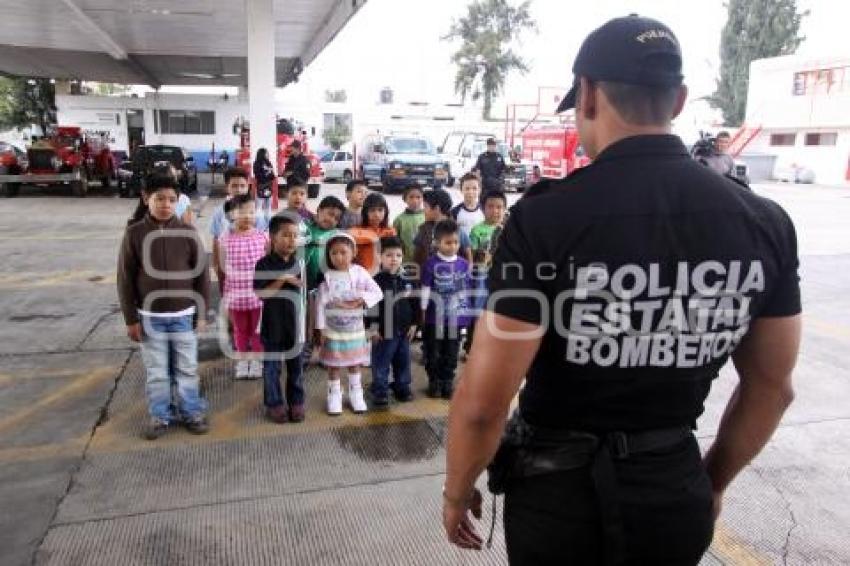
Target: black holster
(527, 451)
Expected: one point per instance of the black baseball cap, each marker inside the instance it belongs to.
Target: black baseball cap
(631, 50)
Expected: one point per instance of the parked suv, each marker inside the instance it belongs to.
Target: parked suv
(146, 157)
(397, 160)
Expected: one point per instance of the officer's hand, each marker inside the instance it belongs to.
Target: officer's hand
(459, 528)
(717, 506)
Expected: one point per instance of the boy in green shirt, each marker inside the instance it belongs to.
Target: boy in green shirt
(325, 223)
(483, 239)
(408, 222)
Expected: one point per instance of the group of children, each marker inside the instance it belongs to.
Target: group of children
(343, 280)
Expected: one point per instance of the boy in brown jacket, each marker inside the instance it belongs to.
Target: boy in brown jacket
(163, 284)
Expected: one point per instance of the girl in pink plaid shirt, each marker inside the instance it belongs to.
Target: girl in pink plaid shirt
(241, 249)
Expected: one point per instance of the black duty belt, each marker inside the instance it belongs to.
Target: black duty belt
(528, 451)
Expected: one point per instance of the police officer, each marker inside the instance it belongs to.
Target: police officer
(491, 167)
(618, 296)
(297, 169)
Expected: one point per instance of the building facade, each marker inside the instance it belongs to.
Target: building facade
(197, 121)
(802, 106)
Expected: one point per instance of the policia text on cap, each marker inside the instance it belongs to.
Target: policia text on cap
(599, 464)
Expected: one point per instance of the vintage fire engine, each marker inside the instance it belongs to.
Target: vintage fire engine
(66, 156)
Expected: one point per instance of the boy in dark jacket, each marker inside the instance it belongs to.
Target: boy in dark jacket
(395, 328)
(163, 285)
(279, 280)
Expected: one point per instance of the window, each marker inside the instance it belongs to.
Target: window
(783, 139)
(821, 139)
(409, 145)
(337, 121)
(187, 122)
(336, 96)
(340, 156)
(822, 81)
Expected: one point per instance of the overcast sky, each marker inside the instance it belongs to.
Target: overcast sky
(397, 43)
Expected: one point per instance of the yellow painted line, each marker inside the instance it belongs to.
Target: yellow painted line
(73, 447)
(116, 236)
(117, 436)
(80, 385)
(37, 373)
(48, 279)
(732, 552)
(241, 418)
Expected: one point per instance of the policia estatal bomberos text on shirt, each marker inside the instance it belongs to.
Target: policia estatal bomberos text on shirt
(491, 167)
(618, 295)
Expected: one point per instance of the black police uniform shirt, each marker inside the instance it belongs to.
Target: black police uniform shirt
(646, 269)
(491, 165)
(300, 167)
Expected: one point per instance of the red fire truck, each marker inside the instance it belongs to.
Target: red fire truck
(66, 156)
(286, 134)
(554, 149)
(549, 140)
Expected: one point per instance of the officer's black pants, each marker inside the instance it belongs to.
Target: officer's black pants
(665, 502)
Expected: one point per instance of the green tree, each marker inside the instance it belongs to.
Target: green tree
(487, 32)
(24, 102)
(337, 136)
(755, 29)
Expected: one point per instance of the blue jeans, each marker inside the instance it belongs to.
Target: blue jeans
(390, 353)
(170, 355)
(272, 391)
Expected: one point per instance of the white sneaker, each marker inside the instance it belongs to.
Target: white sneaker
(256, 369)
(243, 369)
(355, 398)
(334, 399)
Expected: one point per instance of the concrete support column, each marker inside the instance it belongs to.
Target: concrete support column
(259, 15)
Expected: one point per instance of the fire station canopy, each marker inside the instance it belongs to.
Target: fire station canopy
(159, 42)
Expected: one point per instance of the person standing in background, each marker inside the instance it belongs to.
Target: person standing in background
(264, 177)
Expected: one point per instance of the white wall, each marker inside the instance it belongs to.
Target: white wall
(771, 101)
(98, 113)
(92, 112)
(772, 104)
(829, 163)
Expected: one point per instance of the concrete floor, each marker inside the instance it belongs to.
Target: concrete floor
(79, 486)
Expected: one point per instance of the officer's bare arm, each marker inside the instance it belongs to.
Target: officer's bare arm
(492, 376)
(765, 361)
